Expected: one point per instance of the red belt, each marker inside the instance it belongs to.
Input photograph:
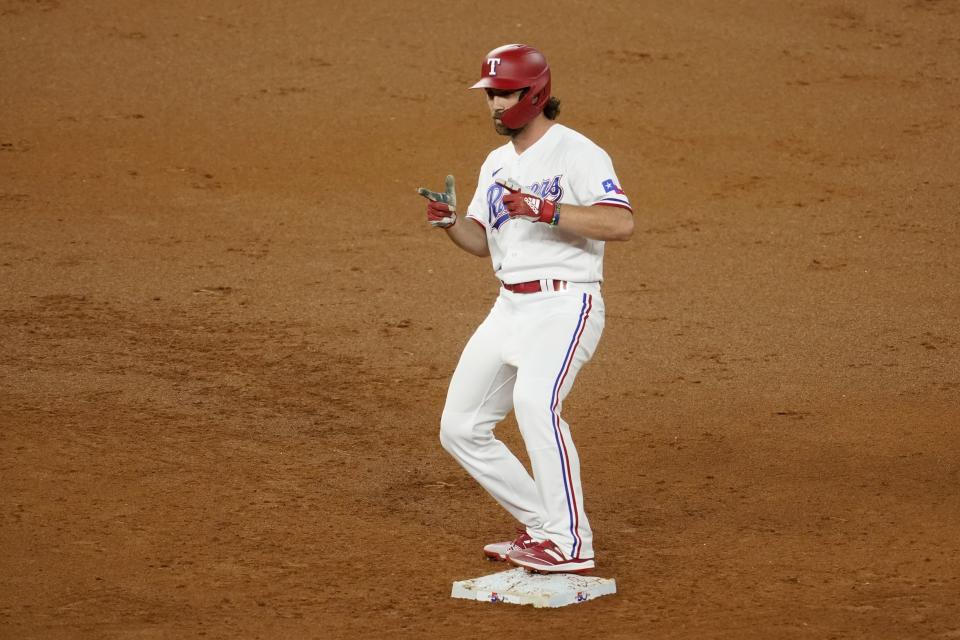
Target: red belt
(536, 286)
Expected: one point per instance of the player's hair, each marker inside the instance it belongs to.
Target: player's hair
(552, 110)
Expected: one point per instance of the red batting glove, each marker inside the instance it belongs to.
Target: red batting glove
(441, 206)
(524, 205)
(440, 214)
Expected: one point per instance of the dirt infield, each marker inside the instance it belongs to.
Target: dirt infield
(227, 332)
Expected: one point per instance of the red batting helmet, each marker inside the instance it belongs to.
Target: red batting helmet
(517, 66)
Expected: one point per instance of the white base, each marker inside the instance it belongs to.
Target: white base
(519, 586)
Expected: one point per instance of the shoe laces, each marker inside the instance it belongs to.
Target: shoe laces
(520, 542)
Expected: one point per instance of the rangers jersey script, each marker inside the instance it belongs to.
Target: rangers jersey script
(563, 166)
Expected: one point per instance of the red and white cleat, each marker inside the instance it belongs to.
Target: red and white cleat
(498, 550)
(546, 557)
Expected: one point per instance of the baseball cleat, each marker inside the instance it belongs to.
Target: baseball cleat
(546, 557)
(498, 550)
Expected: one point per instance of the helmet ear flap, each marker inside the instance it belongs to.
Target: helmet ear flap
(532, 103)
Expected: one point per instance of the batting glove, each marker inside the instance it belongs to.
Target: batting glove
(521, 204)
(441, 207)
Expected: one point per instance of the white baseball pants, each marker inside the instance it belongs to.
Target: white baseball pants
(525, 356)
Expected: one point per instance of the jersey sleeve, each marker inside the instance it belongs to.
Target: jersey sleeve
(595, 181)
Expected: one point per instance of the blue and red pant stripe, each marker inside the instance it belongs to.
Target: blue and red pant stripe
(565, 467)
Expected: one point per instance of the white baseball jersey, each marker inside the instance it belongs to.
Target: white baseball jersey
(564, 166)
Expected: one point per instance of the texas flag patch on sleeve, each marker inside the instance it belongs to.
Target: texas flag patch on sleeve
(609, 186)
(613, 195)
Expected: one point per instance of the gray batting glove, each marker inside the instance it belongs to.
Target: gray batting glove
(441, 207)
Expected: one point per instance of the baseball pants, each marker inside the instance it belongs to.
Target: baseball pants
(525, 356)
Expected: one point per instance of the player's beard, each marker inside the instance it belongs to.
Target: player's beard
(501, 128)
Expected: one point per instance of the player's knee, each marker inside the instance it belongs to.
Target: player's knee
(454, 430)
(536, 418)
(460, 431)
(531, 404)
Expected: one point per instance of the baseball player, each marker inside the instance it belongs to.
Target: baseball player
(545, 203)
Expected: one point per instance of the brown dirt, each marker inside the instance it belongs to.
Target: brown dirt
(227, 331)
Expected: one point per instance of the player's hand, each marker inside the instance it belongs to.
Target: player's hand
(521, 204)
(441, 207)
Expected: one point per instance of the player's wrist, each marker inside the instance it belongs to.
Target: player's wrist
(549, 213)
(555, 218)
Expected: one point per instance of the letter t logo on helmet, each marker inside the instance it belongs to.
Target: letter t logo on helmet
(513, 67)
